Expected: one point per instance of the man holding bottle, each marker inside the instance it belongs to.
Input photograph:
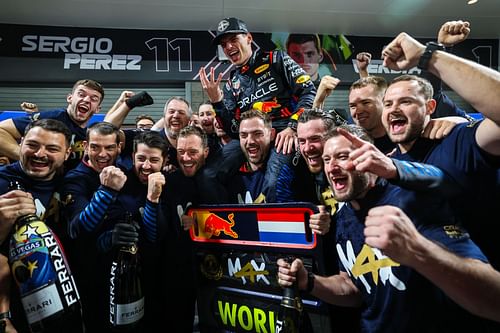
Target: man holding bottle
(43, 151)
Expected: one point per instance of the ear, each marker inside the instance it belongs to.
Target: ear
(205, 152)
(249, 38)
(273, 133)
(320, 56)
(69, 97)
(68, 152)
(430, 106)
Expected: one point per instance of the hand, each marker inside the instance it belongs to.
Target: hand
(29, 107)
(402, 53)
(453, 32)
(439, 128)
(285, 141)
(126, 94)
(14, 204)
(389, 229)
(113, 177)
(320, 222)
(140, 99)
(212, 86)
(363, 59)
(187, 222)
(124, 234)
(326, 86)
(289, 273)
(156, 181)
(367, 158)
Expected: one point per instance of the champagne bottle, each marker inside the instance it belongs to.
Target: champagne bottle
(126, 300)
(46, 286)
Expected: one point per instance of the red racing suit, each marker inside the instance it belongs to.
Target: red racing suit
(271, 82)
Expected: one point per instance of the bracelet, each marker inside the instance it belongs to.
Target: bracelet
(5, 315)
(310, 281)
(430, 48)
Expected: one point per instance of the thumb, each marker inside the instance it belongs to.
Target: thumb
(322, 209)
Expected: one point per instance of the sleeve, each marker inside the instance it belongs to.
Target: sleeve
(227, 110)
(85, 212)
(301, 85)
(150, 221)
(423, 177)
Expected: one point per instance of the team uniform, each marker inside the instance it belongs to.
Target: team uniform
(77, 138)
(275, 84)
(174, 279)
(47, 208)
(92, 211)
(474, 175)
(397, 298)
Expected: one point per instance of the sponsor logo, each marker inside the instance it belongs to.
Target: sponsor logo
(259, 94)
(223, 25)
(215, 224)
(261, 68)
(245, 318)
(303, 78)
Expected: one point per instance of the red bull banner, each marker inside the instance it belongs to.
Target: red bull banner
(236, 249)
(248, 225)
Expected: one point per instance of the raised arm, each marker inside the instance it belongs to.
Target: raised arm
(9, 135)
(473, 284)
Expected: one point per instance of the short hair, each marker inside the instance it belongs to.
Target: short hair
(180, 99)
(51, 125)
(90, 84)
(152, 139)
(207, 102)
(378, 81)
(253, 113)
(103, 128)
(355, 130)
(194, 130)
(143, 116)
(329, 119)
(425, 86)
(303, 38)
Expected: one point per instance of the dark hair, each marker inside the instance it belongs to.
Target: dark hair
(52, 125)
(104, 128)
(152, 139)
(425, 86)
(253, 113)
(330, 119)
(194, 130)
(90, 84)
(143, 116)
(355, 130)
(303, 38)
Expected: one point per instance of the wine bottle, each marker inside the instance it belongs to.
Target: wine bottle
(126, 300)
(46, 286)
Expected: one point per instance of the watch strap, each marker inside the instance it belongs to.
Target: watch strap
(425, 58)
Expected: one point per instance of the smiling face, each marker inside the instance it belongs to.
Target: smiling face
(345, 183)
(366, 106)
(43, 153)
(311, 141)
(237, 48)
(255, 141)
(176, 117)
(102, 150)
(406, 112)
(206, 113)
(83, 103)
(147, 160)
(191, 154)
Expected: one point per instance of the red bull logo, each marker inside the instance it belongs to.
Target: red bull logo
(214, 225)
(266, 107)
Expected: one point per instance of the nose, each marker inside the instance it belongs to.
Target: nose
(146, 164)
(331, 165)
(41, 152)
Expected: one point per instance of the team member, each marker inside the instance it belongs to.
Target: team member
(372, 229)
(44, 148)
(268, 81)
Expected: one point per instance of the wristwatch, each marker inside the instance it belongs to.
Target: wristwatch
(430, 48)
(5, 315)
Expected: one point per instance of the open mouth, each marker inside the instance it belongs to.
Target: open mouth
(397, 125)
(339, 183)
